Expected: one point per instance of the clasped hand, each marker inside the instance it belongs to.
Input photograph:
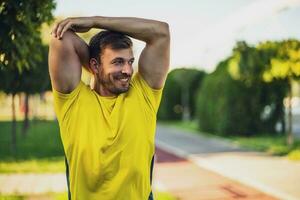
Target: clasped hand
(77, 24)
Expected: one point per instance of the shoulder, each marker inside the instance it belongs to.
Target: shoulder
(151, 97)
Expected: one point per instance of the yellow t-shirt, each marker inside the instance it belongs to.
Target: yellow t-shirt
(109, 141)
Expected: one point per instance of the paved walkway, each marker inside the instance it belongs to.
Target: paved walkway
(187, 181)
(276, 176)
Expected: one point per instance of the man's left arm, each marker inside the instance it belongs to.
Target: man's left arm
(155, 58)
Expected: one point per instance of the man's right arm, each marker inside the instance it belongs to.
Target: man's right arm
(66, 56)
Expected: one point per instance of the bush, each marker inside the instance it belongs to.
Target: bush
(171, 107)
(294, 155)
(228, 106)
(279, 150)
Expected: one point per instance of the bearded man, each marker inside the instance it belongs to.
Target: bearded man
(108, 130)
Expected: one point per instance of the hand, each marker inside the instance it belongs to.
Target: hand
(78, 24)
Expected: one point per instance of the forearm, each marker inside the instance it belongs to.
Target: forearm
(141, 29)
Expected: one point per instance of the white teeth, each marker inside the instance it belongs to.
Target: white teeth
(124, 79)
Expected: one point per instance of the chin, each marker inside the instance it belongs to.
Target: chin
(120, 90)
(124, 89)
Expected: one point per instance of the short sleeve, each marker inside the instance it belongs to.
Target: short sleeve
(150, 95)
(63, 102)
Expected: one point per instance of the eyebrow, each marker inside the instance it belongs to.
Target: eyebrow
(120, 58)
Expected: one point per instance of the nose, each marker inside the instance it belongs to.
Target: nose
(127, 69)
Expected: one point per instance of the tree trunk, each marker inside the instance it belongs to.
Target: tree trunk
(26, 112)
(185, 103)
(283, 128)
(290, 138)
(13, 128)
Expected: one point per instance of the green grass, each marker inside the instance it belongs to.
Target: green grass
(163, 196)
(11, 197)
(274, 145)
(48, 196)
(64, 196)
(294, 155)
(188, 125)
(40, 151)
(51, 165)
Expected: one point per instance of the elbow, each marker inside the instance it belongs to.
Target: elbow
(163, 30)
(67, 38)
(159, 32)
(63, 43)
(55, 43)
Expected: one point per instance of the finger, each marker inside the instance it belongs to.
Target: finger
(61, 27)
(66, 27)
(54, 29)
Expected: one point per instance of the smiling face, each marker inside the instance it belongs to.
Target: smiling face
(111, 61)
(115, 71)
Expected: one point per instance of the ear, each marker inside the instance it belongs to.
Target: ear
(94, 65)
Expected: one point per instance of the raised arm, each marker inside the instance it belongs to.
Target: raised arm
(66, 56)
(154, 60)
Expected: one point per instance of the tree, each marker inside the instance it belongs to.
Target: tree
(285, 66)
(20, 23)
(251, 64)
(34, 80)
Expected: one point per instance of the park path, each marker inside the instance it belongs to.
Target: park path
(187, 181)
(276, 176)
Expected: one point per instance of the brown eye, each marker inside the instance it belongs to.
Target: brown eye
(118, 62)
(130, 62)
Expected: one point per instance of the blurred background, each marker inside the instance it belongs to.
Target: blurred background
(229, 119)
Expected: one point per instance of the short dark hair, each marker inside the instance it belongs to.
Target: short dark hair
(111, 39)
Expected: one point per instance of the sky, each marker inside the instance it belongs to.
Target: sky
(203, 32)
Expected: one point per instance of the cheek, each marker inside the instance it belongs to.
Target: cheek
(105, 72)
(112, 77)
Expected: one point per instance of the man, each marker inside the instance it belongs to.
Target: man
(108, 131)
